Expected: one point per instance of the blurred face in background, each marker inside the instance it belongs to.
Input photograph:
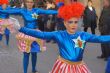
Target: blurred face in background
(4, 6)
(106, 3)
(29, 4)
(71, 25)
(89, 3)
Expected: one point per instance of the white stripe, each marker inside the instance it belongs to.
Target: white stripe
(66, 70)
(70, 68)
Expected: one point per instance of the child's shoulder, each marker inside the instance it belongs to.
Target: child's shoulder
(65, 32)
(60, 32)
(82, 33)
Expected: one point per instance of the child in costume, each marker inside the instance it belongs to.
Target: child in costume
(28, 44)
(71, 44)
(6, 26)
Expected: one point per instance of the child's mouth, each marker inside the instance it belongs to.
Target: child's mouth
(73, 28)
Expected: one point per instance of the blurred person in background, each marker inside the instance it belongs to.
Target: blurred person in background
(104, 28)
(90, 17)
(5, 22)
(30, 16)
(59, 21)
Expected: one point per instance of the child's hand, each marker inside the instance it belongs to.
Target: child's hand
(43, 49)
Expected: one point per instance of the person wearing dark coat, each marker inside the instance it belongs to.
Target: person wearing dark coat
(59, 21)
(104, 28)
(90, 18)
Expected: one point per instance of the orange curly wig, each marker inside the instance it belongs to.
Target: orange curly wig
(72, 10)
(4, 2)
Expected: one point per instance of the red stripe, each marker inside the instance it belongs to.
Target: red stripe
(73, 68)
(66, 69)
(55, 65)
(69, 70)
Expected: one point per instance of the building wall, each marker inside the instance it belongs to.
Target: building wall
(67, 1)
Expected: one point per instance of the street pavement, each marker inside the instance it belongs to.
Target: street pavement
(11, 57)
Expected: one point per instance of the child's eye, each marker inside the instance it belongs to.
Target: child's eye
(75, 22)
(72, 22)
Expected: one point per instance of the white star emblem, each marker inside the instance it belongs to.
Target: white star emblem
(34, 15)
(79, 42)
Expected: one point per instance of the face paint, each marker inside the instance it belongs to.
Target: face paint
(71, 25)
(72, 22)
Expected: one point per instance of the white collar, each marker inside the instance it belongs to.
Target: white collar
(90, 8)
